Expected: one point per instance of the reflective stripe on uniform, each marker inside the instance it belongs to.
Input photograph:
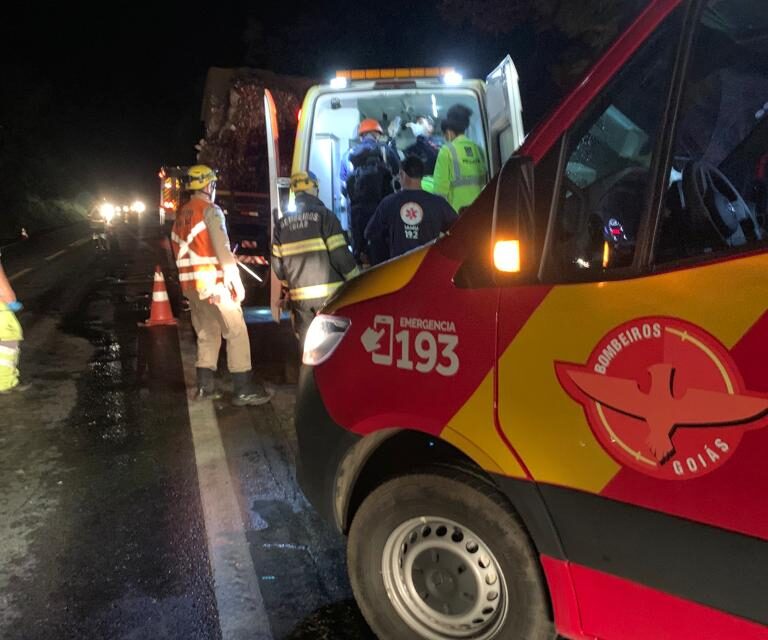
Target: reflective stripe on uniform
(184, 244)
(352, 274)
(296, 248)
(458, 180)
(9, 357)
(336, 242)
(9, 372)
(198, 275)
(315, 291)
(195, 260)
(473, 181)
(455, 158)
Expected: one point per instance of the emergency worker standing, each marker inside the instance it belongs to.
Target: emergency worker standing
(461, 171)
(373, 166)
(409, 218)
(426, 146)
(310, 255)
(10, 337)
(210, 280)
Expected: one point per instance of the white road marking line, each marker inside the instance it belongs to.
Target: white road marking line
(79, 242)
(53, 256)
(242, 614)
(18, 274)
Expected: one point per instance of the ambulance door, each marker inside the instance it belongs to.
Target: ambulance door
(504, 112)
(636, 392)
(273, 158)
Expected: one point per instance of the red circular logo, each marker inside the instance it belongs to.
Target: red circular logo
(664, 397)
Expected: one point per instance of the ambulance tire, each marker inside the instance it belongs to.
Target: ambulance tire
(385, 519)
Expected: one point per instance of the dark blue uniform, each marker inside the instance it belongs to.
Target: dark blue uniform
(426, 150)
(373, 167)
(406, 220)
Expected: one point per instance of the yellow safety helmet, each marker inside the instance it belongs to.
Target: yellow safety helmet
(303, 181)
(200, 176)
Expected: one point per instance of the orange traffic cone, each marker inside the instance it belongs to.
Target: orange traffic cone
(160, 313)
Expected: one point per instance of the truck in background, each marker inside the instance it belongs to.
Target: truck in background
(171, 192)
(234, 143)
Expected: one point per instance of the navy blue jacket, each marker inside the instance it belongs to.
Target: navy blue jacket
(406, 220)
(426, 150)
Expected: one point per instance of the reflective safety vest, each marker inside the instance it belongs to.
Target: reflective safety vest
(11, 334)
(460, 172)
(196, 259)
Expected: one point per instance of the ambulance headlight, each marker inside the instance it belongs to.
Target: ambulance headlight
(324, 335)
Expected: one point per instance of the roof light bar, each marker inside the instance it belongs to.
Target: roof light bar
(397, 73)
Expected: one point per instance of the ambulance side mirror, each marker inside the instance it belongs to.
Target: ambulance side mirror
(512, 237)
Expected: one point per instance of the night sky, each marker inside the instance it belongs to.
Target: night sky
(97, 99)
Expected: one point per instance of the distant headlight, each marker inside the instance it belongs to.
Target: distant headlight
(324, 335)
(107, 211)
(138, 207)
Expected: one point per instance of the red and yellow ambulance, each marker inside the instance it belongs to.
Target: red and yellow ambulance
(554, 419)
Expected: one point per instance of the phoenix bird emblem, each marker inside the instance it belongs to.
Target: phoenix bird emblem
(662, 409)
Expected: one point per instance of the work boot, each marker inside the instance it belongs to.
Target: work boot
(244, 394)
(206, 385)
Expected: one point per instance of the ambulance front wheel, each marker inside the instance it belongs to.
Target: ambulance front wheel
(439, 556)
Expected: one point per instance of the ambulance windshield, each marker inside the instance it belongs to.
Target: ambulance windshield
(402, 113)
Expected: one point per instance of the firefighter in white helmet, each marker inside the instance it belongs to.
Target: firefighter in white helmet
(210, 280)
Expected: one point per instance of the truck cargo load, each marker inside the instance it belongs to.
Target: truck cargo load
(235, 144)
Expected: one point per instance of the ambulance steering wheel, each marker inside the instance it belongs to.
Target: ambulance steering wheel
(715, 204)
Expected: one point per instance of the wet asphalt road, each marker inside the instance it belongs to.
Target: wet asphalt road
(102, 532)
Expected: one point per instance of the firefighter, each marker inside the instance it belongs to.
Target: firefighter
(310, 255)
(10, 337)
(210, 280)
(367, 178)
(460, 171)
(409, 218)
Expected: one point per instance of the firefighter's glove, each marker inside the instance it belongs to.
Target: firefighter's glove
(233, 283)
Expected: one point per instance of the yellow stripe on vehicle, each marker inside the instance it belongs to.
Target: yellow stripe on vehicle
(547, 428)
(472, 430)
(380, 281)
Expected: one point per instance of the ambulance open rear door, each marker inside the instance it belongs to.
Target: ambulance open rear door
(504, 112)
(275, 210)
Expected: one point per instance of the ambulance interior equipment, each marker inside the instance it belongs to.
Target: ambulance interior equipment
(337, 116)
